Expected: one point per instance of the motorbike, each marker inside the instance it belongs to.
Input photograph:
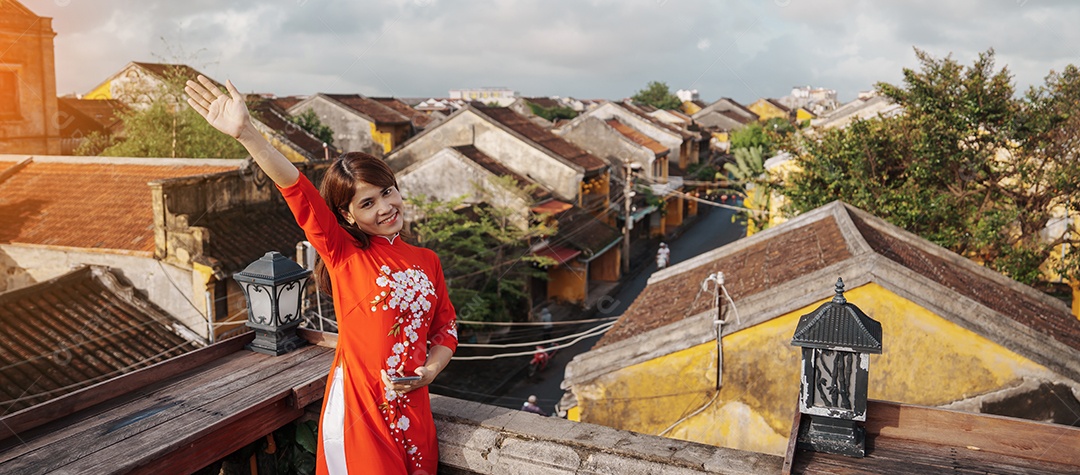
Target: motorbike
(540, 359)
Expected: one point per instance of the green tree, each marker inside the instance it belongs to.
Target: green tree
(658, 95)
(310, 122)
(167, 127)
(553, 113)
(967, 165)
(485, 253)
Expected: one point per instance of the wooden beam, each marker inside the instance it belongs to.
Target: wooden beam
(1008, 436)
(315, 337)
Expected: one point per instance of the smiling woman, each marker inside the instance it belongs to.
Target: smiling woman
(396, 326)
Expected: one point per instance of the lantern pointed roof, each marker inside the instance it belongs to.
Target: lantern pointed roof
(838, 324)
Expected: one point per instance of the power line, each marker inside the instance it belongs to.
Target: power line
(531, 343)
(596, 331)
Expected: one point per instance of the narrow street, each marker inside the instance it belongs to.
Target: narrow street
(712, 230)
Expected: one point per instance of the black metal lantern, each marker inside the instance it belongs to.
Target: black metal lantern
(274, 288)
(836, 341)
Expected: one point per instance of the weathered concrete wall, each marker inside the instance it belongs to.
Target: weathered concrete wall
(668, 139)
(594, 135)
(33, 126)
(352, 133)
(467, 128)
(482, 439)
(168, 286)
(449, 175)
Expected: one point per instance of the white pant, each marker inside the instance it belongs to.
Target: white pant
(333, 427)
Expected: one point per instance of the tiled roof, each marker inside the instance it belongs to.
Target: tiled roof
(580, 230)
(240, 236)
(163, 71)
(755, 269)
(543, 138)
(74, 331)
(498, 169)
(637, 110)
(778, 105)
(87, 115)
(377, 112)
(419, 119)
(286, 102)
(1048, 320)
(85, 205)
(273, 116)
(637, 137)
(545, 102)
(827, 237)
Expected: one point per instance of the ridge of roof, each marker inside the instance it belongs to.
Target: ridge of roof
(373, 110)
(841, 239)
(544, 139)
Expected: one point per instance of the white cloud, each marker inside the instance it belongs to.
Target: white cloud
(599, 48)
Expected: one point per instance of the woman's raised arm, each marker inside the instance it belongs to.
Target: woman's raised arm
(229, 114)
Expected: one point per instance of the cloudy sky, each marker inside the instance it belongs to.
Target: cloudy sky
(580, 48)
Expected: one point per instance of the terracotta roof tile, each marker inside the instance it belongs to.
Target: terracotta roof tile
(755, 269)
(543, 138)
(74, 331)
(273, 116)
(637, 137)
(88, 114)
(86, 205)
(419, 119)
(545, 102)
(240, 236)
(286, 102)
(1055, 323)
(637, 110)
(166, 71)
(497, 168)
(377, 112)
(580, 230)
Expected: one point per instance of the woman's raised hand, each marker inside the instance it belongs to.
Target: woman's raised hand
(226, 112)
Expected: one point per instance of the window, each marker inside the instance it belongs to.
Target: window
(9, 95)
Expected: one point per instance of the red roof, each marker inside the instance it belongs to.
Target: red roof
(419, 119)
(551, 207)
(375, 111)
(561, 254)
(86, 205)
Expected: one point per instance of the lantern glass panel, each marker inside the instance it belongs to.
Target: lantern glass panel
(834, 385)
(289, 298)
(261, 303)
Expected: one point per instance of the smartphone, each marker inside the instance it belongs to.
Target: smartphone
(404, 379)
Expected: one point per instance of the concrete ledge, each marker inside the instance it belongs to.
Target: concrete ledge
(476, 438)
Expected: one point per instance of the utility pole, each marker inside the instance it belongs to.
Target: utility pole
(628, 221)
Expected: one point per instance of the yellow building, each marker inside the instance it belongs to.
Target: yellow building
(137, 84)
(769, 108)
(957, 335)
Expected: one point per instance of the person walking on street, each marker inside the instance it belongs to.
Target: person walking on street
(663, 256)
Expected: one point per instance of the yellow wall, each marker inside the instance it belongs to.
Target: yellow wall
(568, 282)
(766, 111)
(689, 108)
(102, 92)
(926, 361)
(803, 114)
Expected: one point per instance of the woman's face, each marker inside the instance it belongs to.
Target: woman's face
(376, 210)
